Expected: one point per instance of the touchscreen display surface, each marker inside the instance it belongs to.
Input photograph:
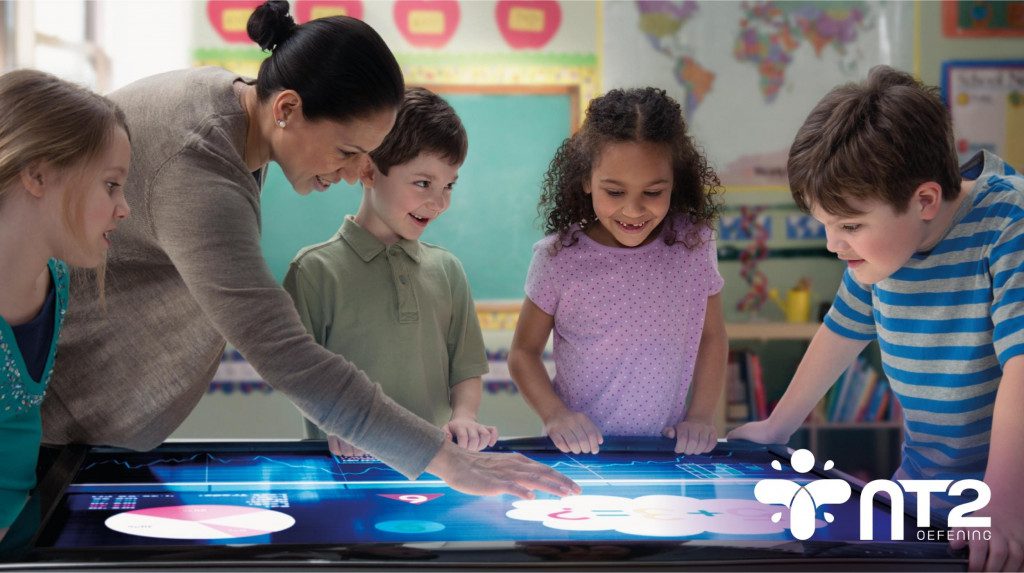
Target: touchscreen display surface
(281, 495)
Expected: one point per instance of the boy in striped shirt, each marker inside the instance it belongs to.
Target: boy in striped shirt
(934, 255)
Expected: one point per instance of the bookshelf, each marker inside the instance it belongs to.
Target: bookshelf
(872, 446)
(765, 331)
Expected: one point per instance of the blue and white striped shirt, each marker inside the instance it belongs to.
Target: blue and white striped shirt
(946, 323)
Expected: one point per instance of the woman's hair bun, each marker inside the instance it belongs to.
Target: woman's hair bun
(270, 25)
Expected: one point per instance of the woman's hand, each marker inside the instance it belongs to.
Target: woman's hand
(480, 473)
(340, 447)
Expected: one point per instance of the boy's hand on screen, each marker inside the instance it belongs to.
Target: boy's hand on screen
(574, 432)
(760, 432)
(470, 434)
(340, 447)
(692, 437)
(480, 473)
(1004, 550)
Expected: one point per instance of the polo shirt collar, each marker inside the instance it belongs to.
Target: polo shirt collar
(367, 246)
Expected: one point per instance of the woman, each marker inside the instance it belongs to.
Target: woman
(187, 271)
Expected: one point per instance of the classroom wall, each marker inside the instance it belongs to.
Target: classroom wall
(144, 38)
(936, 47)
(744, 120)
(491, 222)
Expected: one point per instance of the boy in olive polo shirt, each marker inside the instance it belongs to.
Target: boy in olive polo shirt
(399, 309)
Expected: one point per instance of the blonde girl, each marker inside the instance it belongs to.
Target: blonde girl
(64, 155)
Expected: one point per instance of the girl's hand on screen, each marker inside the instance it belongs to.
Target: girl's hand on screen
(574, 432)
(692, 437)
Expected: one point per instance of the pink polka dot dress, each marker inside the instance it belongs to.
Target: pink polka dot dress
(628, 324)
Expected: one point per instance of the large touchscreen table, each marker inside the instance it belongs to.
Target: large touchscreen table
(297, 494)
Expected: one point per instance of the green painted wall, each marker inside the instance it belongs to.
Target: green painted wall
(491, 224)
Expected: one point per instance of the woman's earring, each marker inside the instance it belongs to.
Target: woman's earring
(281, 123)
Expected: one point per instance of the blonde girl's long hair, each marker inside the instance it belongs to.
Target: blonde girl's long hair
(46, 119)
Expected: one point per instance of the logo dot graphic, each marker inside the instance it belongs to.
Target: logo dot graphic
(802, 461)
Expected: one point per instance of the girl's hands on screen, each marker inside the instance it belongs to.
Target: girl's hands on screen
(573, 432)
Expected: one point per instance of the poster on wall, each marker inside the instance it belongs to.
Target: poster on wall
(986, 100)
(748, 73)
(427, 23)
(437, 42)
(228, 18)
(527, 30)
(982, 18)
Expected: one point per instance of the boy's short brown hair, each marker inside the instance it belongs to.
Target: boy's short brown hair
(425, 124)
(875, 140)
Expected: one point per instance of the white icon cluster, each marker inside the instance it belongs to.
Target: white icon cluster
(803, 501)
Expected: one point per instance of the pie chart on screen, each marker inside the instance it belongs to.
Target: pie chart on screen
(200, 522)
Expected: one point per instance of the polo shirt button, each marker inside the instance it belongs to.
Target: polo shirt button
(403, 279)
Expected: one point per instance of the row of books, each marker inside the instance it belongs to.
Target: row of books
(860, 395)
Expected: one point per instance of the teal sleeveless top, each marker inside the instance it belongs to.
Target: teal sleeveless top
(20, 398)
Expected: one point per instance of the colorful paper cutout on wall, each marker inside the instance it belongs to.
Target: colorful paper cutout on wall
(982, 18)
(802, 227)
(528, 24)
(427, 23)
(736, 228)
(229, 17)
(306, 10)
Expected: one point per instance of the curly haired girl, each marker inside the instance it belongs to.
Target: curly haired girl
(628, 280)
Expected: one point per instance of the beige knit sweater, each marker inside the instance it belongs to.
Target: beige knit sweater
(185, 273)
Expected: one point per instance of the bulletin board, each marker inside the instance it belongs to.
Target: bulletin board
(492, 223)
(983, 18)
(986, 101)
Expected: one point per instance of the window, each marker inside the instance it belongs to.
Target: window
(56, 36)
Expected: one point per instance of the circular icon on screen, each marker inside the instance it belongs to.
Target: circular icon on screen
(409, 526)
(200, 522)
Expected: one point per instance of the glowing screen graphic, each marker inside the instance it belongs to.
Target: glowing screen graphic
(288, 495)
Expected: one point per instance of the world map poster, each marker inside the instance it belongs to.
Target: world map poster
(748, 73)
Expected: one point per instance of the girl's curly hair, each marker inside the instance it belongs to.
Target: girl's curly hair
(637, 115)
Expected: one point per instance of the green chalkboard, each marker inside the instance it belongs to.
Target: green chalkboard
(492, 222)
